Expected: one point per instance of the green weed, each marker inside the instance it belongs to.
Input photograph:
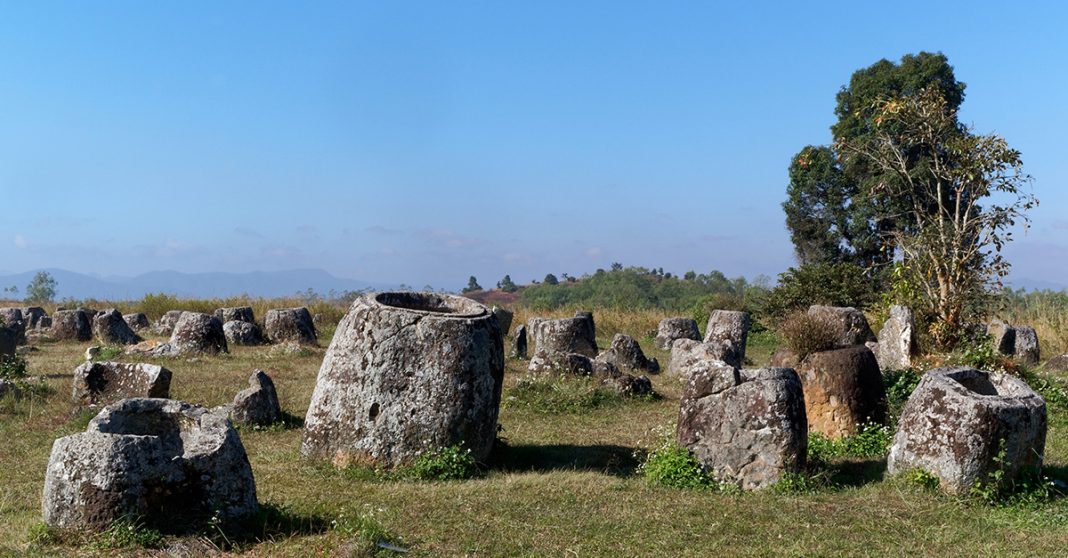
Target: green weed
(450, 463)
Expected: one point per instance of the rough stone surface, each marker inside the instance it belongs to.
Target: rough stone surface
(103, 383)
(173, 464)
(627, 385)
(897, 339)
(671, 329)
(242, 333)
(12, 320)
(8, 342)
(71, 325)
(32, 316)
(686, 352)
(519, 342)
(565, 335)
(196, 333)
(852, 326)
(290, 324)
(784, 357)
(1025, 348)
(1003, 336)
(504, 318)
(150, 347)
(257, 404)
(111, 329)
(137, 321)
(406, 373)
(730, 326)
(626, 354)
(843, 389)
(551, 362)
(747, 427)
(1057, 363)
(165, 324)
(236, 314)
(958, 420)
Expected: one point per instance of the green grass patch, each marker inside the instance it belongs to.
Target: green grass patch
(871, 441)
(563, 395)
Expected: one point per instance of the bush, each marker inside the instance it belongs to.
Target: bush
(12, 368)
(450, 463)
(806, 333)
(871, 441)
(899, 386)
(674, 466)
(833, 284)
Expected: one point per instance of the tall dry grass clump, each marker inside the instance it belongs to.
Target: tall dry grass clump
(1046, 311)
(806, 333)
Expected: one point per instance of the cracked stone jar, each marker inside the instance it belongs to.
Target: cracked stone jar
(404, 374)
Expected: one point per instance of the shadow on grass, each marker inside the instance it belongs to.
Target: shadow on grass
(606, 458)
(853, 473)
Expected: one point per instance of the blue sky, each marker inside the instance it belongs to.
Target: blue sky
(423, 142)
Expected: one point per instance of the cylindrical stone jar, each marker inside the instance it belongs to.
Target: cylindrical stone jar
(407, 373)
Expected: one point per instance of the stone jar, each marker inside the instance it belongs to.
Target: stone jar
(407, 373)
(961, 424)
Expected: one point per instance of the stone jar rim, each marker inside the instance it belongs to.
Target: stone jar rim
(428, 303)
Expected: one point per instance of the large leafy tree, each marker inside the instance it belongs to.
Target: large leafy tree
(957, 194)
(835, 210)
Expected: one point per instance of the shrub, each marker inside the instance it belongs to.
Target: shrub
(12, 368)
(449, 463)
(899, 386)
(872, 440)
(921, 478)
(674, 466)
(126, 533)
(833, 284)
(806, 333)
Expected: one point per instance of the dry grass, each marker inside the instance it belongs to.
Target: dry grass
(563, 486)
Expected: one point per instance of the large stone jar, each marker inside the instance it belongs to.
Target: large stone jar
(407, 373)
(963, 424)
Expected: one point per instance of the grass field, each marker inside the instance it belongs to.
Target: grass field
(561, 485)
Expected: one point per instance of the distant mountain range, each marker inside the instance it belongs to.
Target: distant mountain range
(70, 284)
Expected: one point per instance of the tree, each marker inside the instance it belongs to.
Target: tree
(472, 285)
(550, 279)
(507, 285)
(959, 195)
(42, 288)
(833, 209)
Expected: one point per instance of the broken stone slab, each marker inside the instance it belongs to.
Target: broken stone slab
(257, 404)
(71, 325)
(671, 329)
(32, 316)
(897, 339)
(731, 326)
(686, 352)
(626, 385)
(745, 427)
(551, 362)
(165, 324)
(1057, 364)
(236, 314)
(843, 391)
(290, 324)
(103, 383)
(626, 355)
(407, 373)
(504, 317)
(197, 333)
(176, 466)
(851, 325)
(242, 333)
(962, 424)
(110, 328)
(1003, 337)
(1025, 347)
(519, 342)
(137, 321)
